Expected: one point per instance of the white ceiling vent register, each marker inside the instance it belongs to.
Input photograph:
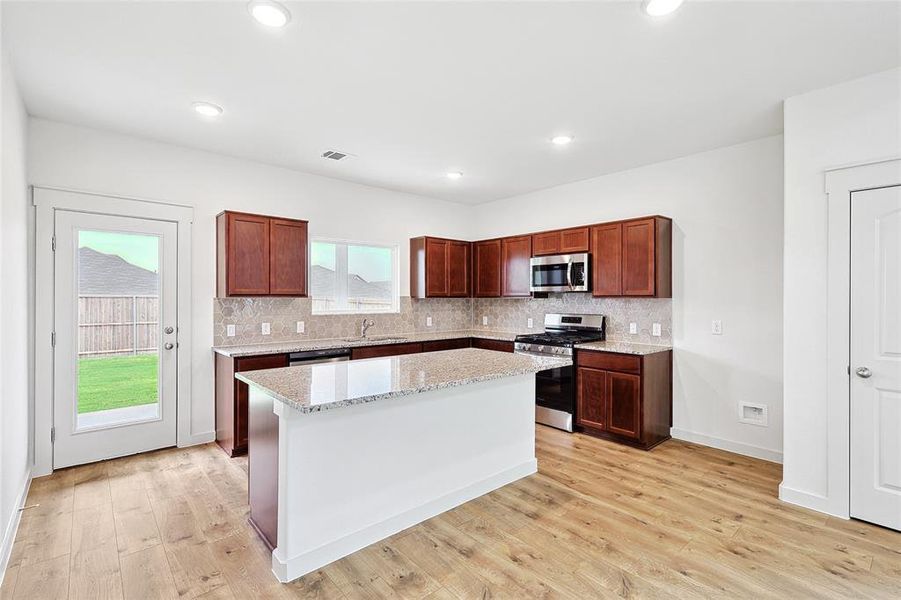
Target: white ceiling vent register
(336, 155)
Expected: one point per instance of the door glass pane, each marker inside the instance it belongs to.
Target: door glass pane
(118, 328)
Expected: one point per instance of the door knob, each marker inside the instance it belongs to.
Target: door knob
(170, 346)
(168, 330)
(863, 372)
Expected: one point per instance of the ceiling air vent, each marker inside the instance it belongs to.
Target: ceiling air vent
(334, 155)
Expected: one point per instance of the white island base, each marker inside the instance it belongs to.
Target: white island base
(348, 478)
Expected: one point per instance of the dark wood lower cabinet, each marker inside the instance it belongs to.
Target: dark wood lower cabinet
(386, 350)
(625, 398)
(496, 345)
(262, 468)
(436, 345)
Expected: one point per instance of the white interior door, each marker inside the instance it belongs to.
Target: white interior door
(876, 356)
(115, 336)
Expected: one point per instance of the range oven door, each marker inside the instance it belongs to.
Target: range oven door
(563, 273)
(555, 397)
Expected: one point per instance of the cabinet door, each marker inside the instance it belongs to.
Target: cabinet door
(546, 243)
(496, 345)
(516, 254)
(606, 256)
(458, 263)
(247, 241)
(639, 257)
(250, 363)
(487, 269)
(436, 268)
(624, 404)
(574, 240)
(592, 398)
(287, 257)
(385, 350)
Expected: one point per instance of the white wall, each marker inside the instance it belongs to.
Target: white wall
(15, 358)
(854, 122)
(726, 207)
(83, 159)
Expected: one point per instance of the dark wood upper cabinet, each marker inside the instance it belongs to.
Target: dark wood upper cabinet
(439, 268)
(259, 255)
(632, 258)
(560, 241)
(516, 254)
(486, 269)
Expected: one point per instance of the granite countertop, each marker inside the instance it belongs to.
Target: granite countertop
(328, 386)
(623, 347)
(326, 343)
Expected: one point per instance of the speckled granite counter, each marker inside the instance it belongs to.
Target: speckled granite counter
(623, 348)
(305, 345)
(335, 385)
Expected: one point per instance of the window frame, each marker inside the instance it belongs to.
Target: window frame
(341, 274)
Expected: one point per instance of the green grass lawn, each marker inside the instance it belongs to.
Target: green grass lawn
(116, 382)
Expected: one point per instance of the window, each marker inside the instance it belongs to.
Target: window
(346, 277)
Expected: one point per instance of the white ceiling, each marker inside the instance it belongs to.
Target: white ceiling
(419, 89)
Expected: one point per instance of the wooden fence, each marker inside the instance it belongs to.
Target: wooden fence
(117, 325)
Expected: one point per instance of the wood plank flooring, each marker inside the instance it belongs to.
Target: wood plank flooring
(598, 521)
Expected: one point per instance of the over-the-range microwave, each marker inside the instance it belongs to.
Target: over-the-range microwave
(561, 273)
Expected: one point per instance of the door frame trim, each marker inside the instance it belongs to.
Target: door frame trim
(840, 184)
(47, 201)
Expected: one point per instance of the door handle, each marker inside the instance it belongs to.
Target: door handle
(569, 274)
(864, 372)
(169, 346)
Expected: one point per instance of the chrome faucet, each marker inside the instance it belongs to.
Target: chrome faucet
(365, 325)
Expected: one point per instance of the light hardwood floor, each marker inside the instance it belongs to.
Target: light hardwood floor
(598, 521)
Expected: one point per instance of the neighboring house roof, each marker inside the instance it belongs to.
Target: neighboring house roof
(111, 275)
(322, 285)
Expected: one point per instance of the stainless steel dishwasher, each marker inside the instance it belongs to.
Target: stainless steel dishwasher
(313, 357)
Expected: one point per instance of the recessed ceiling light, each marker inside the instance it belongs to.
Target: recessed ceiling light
(454, 174)
(207, 109)
(658, 8)
(269, 13)
(561, 140)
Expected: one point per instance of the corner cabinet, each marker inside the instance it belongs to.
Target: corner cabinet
(625, 398)
(439, 268)
(633, 258)
(259, 255)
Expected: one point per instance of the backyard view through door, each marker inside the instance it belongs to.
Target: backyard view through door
(115, 349)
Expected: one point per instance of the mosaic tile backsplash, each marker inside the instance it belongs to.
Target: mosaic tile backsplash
(448, 314)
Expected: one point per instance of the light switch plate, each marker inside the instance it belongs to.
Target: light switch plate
(633, 328)
(266, 329)
(484, 320)
(716, 327)
(530, 323)
(428, 321)
(301, 327)
(655, 330)
(230, 330)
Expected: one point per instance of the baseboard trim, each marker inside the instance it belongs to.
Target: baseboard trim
(297, 566)
(197, 439)
(9, 533)
(809, 500)
(728, 445)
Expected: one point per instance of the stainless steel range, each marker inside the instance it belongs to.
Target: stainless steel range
(555, 389)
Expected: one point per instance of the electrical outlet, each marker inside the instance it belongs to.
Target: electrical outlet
(716, 327)
(655, 330)
(301, 327)
(428, 321)
(230, 330)
(484, 320)
(633, 328)
(530, 323)
(266, 329)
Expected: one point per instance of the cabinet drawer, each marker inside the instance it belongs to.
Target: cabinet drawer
(436, 345)
(608, 361)
(386, 350)
(497, 345)
(255, 363)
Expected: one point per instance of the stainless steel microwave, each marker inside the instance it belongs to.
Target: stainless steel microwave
(561, 273)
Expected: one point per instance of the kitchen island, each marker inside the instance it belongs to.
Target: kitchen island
(344, 454)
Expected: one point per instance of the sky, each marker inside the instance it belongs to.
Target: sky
(370, 263)
(138, 249)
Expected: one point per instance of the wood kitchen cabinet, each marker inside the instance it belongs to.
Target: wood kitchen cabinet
(625, 398)
(486, 269)
(385, 350)
(560, 241)
(632, 258)
(232, 395)
(496, 345)
(259, 255)
(439, 268)
(516, 270)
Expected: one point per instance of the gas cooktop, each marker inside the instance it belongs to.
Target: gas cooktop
(562, 332)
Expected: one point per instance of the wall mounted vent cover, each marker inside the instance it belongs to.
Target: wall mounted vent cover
(335, 155)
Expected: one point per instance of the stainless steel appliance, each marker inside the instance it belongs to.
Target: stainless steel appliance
(313, 357)
(555, 389)
(561, 273)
